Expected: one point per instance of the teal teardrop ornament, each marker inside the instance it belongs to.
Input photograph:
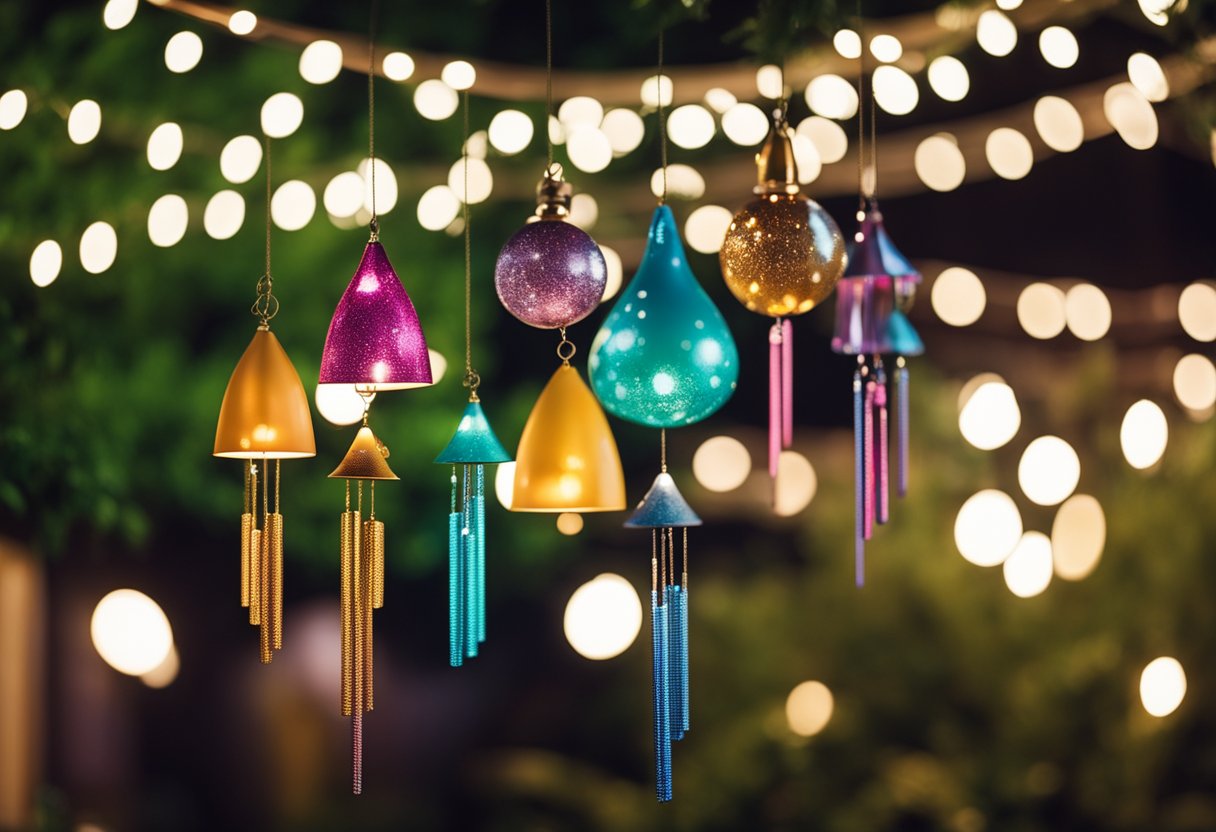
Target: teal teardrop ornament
(664, 357)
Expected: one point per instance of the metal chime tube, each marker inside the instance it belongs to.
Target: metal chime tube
(684, 723)
(455, 584)
(662, 728)
(901, 430)
(859, 477)
(882, 481)
(347, 533)
(774, 400)
(675, 702)
(868, 442)
(265, 625)
(787, 383)
(255, 552)
(274, 528)
(479, 511)
(246, 538)
(373, 552)
(469, 567)
(357, 648)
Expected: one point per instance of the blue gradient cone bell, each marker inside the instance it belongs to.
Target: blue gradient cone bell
(663, 507)
(902, 336)
(664, 356)
(474, 440)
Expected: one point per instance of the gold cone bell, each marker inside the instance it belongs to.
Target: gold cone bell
(567, 458)
(365, 460)
(265, 411)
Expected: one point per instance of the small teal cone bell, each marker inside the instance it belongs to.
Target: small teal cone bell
(474, 440)
(663, 507)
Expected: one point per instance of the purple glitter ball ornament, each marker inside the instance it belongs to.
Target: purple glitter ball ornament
(551, 274)
(375, 340)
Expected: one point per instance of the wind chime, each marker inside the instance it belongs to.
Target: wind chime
(664, 357)
(781, 257)
(877, 288)
(375, 343)
(264, 416)
(550, 275)
(473, 446)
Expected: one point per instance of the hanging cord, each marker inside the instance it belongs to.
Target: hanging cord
(662, 121)
(266, 306)
(471, 379)
(861, 109)
(873, 144)
(374, 225)
(548, 84)
(663, 450)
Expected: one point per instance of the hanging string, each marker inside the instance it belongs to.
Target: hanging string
(663, 449)
(861, 109)
(266, 306)
(662, 122)
(374, 225)
(471, 379)
(548, 83)
(873, 144)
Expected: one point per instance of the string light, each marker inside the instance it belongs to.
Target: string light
(45, 263)
(437, 207)
(720, 100)
(117, 14)
(84, 121)
(706, 227)
(948, 78)
(1144, 434)
(240, 159)
(1041, 311)
(832, 97)
(770, 82)
(13, 106)
(657, 89)
(511, 131)
(624, 129)
(886, 48)
(282, 115)
(690, 126)
(808, 708)
(480, 180)
(588, 148)
(1059, 47)
(98, 247)
(581, 110)
(320, 62)
(847, 44)
(721, 463)
(1009, 153)
(1058, 123)
(939, 163)
(343, 196)
(435, 100)
(991, 417)
(224, 215)
(1087, 311)
(167, 220)
(398, 66)
(293, 205)
(459, 75)
(996, 33)
(1195, 383)
(1163, 681)
(1197, 311)
(828, 137)
(987, 528)
(615, 273)
(183, 52)
(165, 146)
(958, 296)
(745, 124)
(1078, 535)
(1146, 75)
(1131, 114)
(895, 90)
(1048, 471)
(682, 182)
(242, 22)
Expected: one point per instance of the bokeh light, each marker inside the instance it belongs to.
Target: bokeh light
(435, 100)
(242, 22)
(1195, 382)
(1028, 568)
(45, 263)
(987, 528)
(603, 617)
(1041, 310)
(339, 404)
(720, 100)
(1078, 535)
(118, 13)
(164, 673)
(1144, 434)
(745, 124)
(588, 148)
(656, 90)
(165, 146)
(320, 62)
(167, 220)
(796, 484)
(1131, 114)
(683, 182)
(624, 129)
(98, 247)
(504, 483)
(13, 106)
(1162, 686)
(770, 82)
(581, 111)
(991, 417)
(398, 66)
(437, 207)
(808, 708)
(721, 463)
(886, 48)
(1009, 153)
(84, 121)
(1059, 47)
(847, 44)
(510, 131)
(1058, 123)
(705, 228)
(240, 159)
(183, 52)
(569, 523)
(1146, 75)
(948, 78)
(459, 75)
(343, 196)
(828, 137)
(832, 97)
(958, 296)
(690, 126)
(939, 163)
(1087, 311)
(282, 115)
(131, 632)
(584, 211)
(615, 270)
(439, 365)
(293, 205)
(996, 33)
(806, 158)
(480, 181)
(1049, 470)
(1197, 311)
(895, 90)
(386, 185)
(224, 215)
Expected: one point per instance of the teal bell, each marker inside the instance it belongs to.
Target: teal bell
(474, 440)
(664, 357)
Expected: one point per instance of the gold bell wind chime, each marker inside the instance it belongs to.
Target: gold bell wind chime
(375, 343)
(264, 417)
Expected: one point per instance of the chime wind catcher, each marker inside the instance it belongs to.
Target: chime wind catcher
(264, 417)
(375, 343)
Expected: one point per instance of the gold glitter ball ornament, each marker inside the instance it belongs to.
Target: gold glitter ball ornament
(783, 253)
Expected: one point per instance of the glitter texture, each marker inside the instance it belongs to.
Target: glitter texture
(664, 356)
(782, 254)
(375, 339)
(550, 274)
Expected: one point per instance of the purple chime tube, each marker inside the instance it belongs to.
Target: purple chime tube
(859, 475)
(901, 429)
(868, 442)
(787, 383)
(775, 417)
(882, 482)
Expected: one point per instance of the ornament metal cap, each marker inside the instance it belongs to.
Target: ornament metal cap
(474, 441)
(365, 460)
(265, 412)
(663, 507)
(776, 170)
(553, 195)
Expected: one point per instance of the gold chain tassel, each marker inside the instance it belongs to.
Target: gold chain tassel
(348, 562)
(255, 552)
(274, 529)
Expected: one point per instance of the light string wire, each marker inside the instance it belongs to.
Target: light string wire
(548, 85)
(658, 82)
(266, 305)
(374, 225)
(861, 108)
(471, 378)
